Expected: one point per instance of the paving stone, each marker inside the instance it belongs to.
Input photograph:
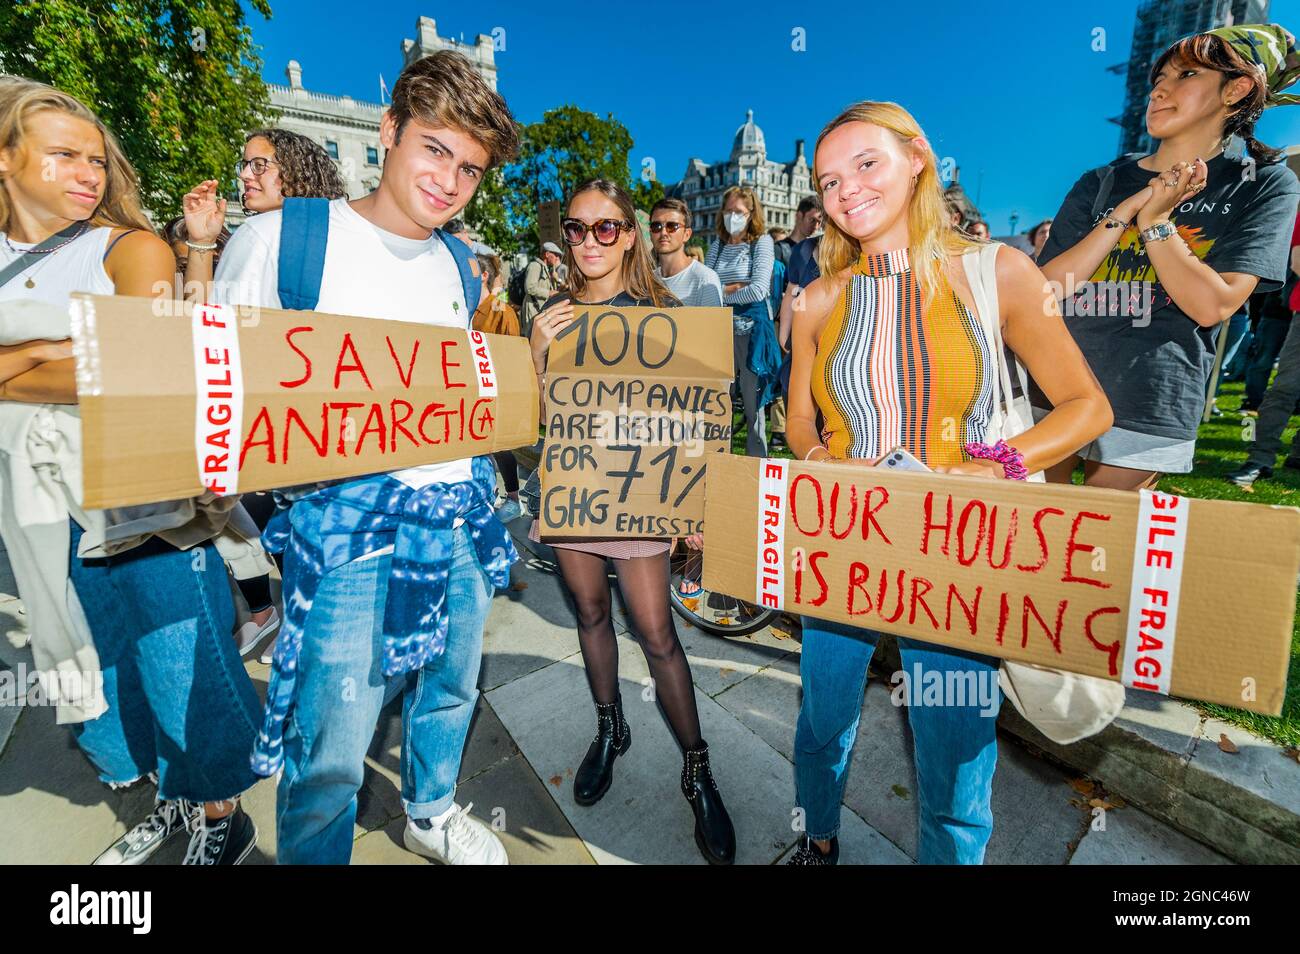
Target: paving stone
(13, 624)
(53, 808)
(8, 585)
(1132, 838)
(719, 662)
(1257, 766)
(644, 818)
(1161, 721)
(768, 703)
(529, 628)
(508, 797)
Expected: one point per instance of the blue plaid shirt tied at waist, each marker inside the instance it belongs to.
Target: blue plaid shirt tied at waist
(357, 517)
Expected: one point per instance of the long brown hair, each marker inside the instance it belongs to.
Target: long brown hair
(1214, 53)
(756, 226)
(20, 100)
(638, 268)
(931, 237)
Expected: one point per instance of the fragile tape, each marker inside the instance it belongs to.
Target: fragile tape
(219, 386)
(484, 370)
(1158, 560)
(773, 477)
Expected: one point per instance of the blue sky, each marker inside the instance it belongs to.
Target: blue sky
(1014, 92)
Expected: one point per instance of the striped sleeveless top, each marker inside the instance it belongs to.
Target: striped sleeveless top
(888, 375)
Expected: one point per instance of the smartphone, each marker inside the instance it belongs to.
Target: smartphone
(899, 459)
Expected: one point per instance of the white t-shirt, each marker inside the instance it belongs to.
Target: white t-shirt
(696, 285)
(369, 273)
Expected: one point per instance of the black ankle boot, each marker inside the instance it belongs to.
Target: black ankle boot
(714, 833)
(613, 738)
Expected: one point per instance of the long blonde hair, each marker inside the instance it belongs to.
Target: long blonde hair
(638, 268)
(931, 238)
(20, 99)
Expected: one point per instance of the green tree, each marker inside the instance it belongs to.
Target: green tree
(488, 214)
(178, 81)
(568, 147)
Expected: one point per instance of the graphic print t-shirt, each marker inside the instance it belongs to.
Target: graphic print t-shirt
(1155, 372)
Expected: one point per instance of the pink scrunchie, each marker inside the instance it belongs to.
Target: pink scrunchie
(1012, 461)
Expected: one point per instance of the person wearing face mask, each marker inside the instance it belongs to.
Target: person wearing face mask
(742, 256)
(609, 265)
(1184, 236)
(887, 348)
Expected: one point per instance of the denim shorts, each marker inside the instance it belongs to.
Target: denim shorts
(1119, 447)
(180, 703)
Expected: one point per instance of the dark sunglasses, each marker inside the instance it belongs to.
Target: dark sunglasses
(606, 230)
(672, 227)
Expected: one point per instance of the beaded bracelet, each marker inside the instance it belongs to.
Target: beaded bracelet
(1012, 461)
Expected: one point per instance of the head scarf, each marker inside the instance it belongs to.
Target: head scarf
(1272, 51)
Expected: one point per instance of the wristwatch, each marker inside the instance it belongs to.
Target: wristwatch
(1159, 232)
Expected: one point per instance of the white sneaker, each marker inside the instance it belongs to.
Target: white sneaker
(250, 634)
(268, 652)
(457, 840)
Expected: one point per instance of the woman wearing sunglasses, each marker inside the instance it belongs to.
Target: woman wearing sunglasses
(609, 264)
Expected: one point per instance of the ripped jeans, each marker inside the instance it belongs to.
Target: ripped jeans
(180, 703)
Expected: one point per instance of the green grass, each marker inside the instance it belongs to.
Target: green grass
(1220, 448)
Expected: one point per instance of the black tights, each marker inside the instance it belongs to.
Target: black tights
(509, 468)
(644, 584)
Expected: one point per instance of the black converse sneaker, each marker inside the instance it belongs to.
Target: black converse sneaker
(133, 848)
(222, 841)
(809, 854)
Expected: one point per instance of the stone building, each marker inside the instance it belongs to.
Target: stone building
(779, 185)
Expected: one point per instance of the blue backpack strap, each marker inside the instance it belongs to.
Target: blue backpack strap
(469, 282)
(304, 231)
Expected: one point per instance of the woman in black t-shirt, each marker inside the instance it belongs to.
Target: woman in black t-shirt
(1152, 254)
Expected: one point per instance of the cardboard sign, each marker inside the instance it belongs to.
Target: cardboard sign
(176, 397)
(637, 399)
(1193, 598)
(548, 223)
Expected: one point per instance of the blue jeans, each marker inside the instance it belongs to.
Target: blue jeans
(1270, 334)
(341, 688)
(955, 746)
(179, 700)
(1236, 348)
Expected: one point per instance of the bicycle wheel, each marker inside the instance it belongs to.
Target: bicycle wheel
(712, 612)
